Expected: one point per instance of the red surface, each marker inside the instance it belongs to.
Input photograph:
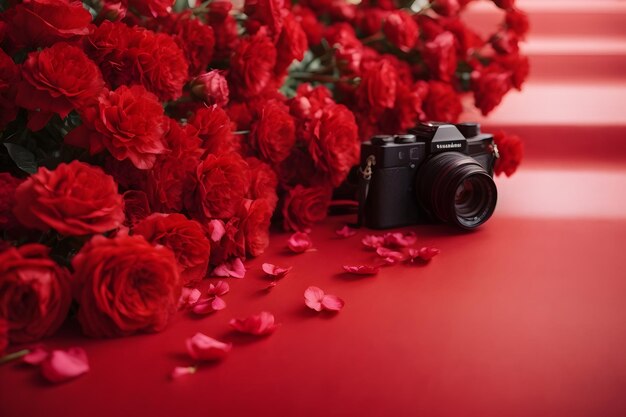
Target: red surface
(524, 317)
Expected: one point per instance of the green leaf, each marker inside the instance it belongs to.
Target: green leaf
(23, 158)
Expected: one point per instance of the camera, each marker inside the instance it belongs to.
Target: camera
(437, 172)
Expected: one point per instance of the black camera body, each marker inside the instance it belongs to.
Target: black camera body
(436, 172)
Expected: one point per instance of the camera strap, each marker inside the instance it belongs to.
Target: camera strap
(364, 187)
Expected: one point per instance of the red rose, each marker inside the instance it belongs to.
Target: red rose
(334, 145)
(213, 127)
(266, 12)
(511, 149)
(58, 80)
(309, 102)
(401, 30)
(197, 41)
(303, 207)
(128, 122)
(505, 42)
(226, 36)
(440, 56)
(184, 237)
(4, 335)
(231, 244)
(489, 85)
(298, 168)
(408, 108)
(442, 103)
(151, 8)
(370, 21)
(219, 10)
(74, 199)
(8, 185)
(124, 285)
(211, 87)
(313, 29)
(136, 207)
(446, 7)
(517, 21)
(291, 45)
(9, 78)
(256, 227)
(348, 48)
(263, 182)
(273, 133)
(467, 40)
(252, 65)
(108, 46)
(517, 65)
(221, 182)
(41, 23)
(34, 292)
(377, 90)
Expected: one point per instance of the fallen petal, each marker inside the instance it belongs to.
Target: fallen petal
(399, 239)
(220, 288)
(345, 231)
(216, 230)
(299, 242)
(233, 268)
(313, 297)
(427, 253)
(332, 302)
(204, 348)
(36, 356)
(275, 271)
(209, 305)
(389, 255)
(372, 241)
(258, 324)
(182, 371)
(62, 365)
(188, 297)
(361, 269)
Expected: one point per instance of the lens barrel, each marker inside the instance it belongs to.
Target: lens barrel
(456, 189)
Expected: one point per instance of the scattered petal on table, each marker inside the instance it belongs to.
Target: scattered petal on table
(36, 356)
(182, 371)
(299, 242)
(425, 254)
(62, 365)
(233, 268)
(204, 348)
(332, 302)
(216, 230)
(372, 241)
(362, 269)
(189, 297)
(390, 255)
(399, 239)
(313, 298)
(220, 288)
(258, 324)
(345, 231)
(275, 271)
(209, 305)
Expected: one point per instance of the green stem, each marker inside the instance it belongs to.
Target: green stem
(15, 355)
(241, 132)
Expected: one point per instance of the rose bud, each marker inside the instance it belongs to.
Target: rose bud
(211, 87)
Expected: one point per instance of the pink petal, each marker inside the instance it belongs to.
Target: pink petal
(233, 268)
(216, 230)
(399, 239)
(218, 303)
(220, 288)
(389, 255)
(36, 356)
(189, 297)
(62, 365)
(424, 254)
(361, 269)
(258, 324)
(332, 302)
(372, 241)
(313, 297)
(271, 285)
(299, 242)
(275, 271)
(345, 231)
(204, 348)
(182, 371)
(209, 305)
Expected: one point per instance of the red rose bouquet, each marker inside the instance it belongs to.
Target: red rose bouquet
(159, 139)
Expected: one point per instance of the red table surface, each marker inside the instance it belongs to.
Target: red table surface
(524, 317)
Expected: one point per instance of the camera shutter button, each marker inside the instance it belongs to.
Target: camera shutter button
(405, 139)
(382, 139)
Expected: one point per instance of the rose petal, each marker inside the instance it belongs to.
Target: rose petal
(218, 303)
(399, 239)
(62, 365)
(189, 297)
(36, 356)
(204, 348)
(389, 255)
(209, 305)
(233, 268)
(372, 241)
(258, 324)
(216, 230)
(345, 231)
(361, 269)
(425, 254)
(271, 285)
(313, 297)
(220, 288)
(182, 371)
(332, 302)
(275, 271)
(299, 242)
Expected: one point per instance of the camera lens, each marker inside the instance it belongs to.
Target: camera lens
(456, 189)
